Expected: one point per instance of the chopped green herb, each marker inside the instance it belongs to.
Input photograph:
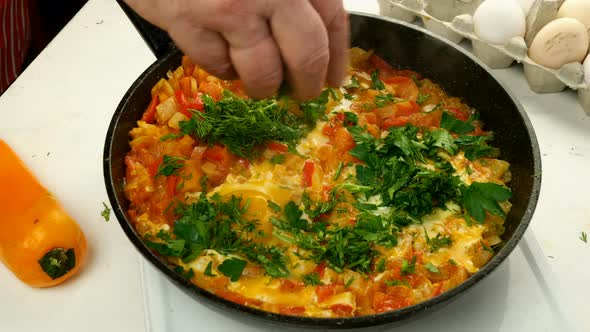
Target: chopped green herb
(416, 81)
(315, 109)
(232, 268)
(274, 206)
(584, 237)
(58, 262)
(380, 266)
(437, 242)
(480, 197)
(455, 125)
(243, 124)
(186, 274)
(383, 100)
(395, 282)
(208, 270)
(486, 247)
(338, 171)
(170, 165)
(278, 159)
(476, 147)
(106, 212)
(348, 283)
(422, 98)
(171, 136)
(452, 261)
(312, 279)
(431, 268)
(354, 83)
(349, 96)
(377, 84)
(408, 267)
(350, 119)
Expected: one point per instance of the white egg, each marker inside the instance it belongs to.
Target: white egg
(497, 21)
(587, 70)
(578, 9)
(561, 41)
(526, 5)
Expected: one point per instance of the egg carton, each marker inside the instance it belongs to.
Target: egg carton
(453, 20)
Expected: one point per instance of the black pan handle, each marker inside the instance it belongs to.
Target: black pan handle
(157, 39)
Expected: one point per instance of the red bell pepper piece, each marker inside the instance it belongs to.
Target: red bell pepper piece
(150, 113)
(186, 104)
(308, 169)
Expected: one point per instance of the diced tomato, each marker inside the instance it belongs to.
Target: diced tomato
(287, 286)
(291, 310)
(320, 269)
(343, 140)
(245, 163)
(216, 153)
(406, 108)
(342, 309)
(405, 87)
(380, 64)
(278, 147)
(324, 292)
(367, 118)
(427, 120)
(171, 183)
(150, 113)
(437, 289)
(395, 122)
(397, 299)
(459, 114)
(188, 66)
(409, 73)
(307, 177)
(153, 168)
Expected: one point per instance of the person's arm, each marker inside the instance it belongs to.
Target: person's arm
(263, 42)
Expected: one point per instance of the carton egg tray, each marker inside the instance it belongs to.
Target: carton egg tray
(453, 20)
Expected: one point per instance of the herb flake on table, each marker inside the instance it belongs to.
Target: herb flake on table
(106, 212)
(584, 237)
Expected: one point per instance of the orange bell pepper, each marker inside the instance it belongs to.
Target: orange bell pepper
(39, 242)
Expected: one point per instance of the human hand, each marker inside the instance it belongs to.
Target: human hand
(263, 42)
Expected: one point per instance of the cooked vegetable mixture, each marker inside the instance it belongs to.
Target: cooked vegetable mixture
(370, 198)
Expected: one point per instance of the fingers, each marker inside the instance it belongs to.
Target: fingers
(335, 18)
(204, 47)
(256, 57)
(303, 41)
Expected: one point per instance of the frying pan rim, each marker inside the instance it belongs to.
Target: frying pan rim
(351, 322)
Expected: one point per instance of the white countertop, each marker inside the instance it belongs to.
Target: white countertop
(56, 116)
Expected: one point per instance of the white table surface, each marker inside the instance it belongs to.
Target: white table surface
(56, 115)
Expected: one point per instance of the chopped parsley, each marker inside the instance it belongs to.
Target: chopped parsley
(395, 282)
(338, 171)
(437, 242)
(354, 83)
(408, 267)
(170, 165)
(431, 268)
(232, 268)
(274, 206)
(278, 159)
(481, 197)
(380, 266)
(422, 98)
(377, 83)
(383, 100)
(208, 270)
(348, 283)
(584, 237)
(171, 136)
(106, 212)
(455, 125)
(312, 279)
